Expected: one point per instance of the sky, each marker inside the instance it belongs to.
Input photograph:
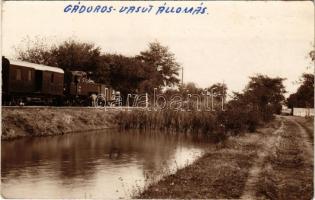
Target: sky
(233, 41)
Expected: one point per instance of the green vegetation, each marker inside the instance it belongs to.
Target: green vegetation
(304, 96)
(171, 121)
(245, 112)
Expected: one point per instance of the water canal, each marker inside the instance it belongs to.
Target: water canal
(101, 164)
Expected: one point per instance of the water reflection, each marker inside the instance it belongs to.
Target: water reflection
(106, 164)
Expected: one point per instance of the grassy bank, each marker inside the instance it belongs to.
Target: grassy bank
(221, 173)
(23, 122)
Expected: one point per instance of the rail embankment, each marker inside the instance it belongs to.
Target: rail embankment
(47, 121)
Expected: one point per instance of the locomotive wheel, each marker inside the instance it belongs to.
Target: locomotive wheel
(100, 101)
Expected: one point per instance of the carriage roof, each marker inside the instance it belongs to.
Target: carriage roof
(36, 66)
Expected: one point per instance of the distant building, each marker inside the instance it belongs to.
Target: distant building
(303, 112)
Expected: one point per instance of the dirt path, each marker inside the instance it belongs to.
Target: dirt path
(306, 141)
(254, 173)
(287, 170)
(308, 125)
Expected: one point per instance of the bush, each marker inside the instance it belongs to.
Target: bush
(237, 119)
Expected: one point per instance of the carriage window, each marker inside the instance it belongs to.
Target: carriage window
(52, 78)
(29, 75)
(18, 75)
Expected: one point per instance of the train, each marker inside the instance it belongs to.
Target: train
(25, 83)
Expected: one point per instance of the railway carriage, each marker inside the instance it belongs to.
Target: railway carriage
(29, 82)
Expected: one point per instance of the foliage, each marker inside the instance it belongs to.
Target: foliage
(77, 56)
(218, 90)
(304, 96)
(125, 73)
(245, 112)
(190, 88)
(69, 54)
(266, 93)
(259, 101)
(164, 68)
(257, 104)
(35, 51)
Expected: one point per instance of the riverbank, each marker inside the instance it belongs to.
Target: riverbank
(46, 121)
(248, 166)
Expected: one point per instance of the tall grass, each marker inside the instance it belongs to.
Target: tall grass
(195, 122)
(218, 124)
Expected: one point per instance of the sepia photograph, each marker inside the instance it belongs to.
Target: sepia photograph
(157, 100)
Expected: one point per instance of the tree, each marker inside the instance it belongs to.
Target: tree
(265, 93)
(69, 55)
(190, 88)
(125, 73)
(164, 68)
(74, 55)
(218, 90)
(262, 97)
(304, 96)
(35, 51)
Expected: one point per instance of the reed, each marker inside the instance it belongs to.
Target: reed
(218, 124)
(194, 122)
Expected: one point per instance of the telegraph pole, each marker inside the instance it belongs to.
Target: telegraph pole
(223, 96)
(182, 76)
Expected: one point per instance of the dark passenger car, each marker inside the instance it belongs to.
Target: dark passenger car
(29, 82)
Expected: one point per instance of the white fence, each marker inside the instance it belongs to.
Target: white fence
(303, 112)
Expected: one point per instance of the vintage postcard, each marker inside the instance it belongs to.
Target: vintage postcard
(157, 99)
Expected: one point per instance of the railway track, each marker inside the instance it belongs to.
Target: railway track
(73, 107)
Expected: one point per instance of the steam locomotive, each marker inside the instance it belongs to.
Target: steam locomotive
(25, 83)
